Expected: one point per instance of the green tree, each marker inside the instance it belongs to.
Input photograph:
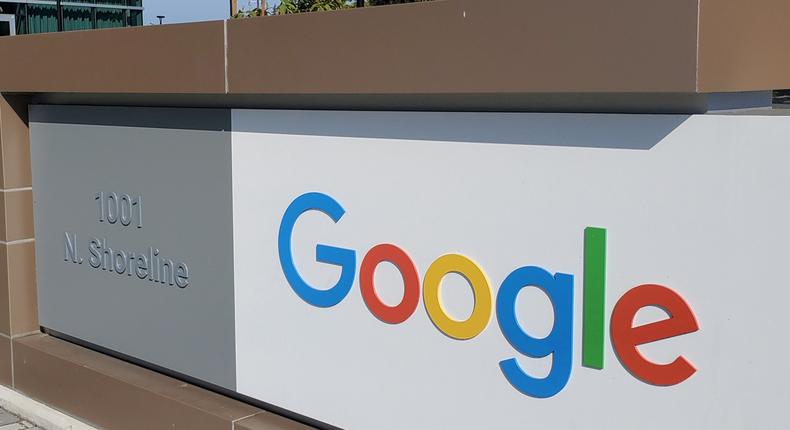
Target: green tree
(297, 6)
(385, 2)
(323, 5)
(248, 13)
(286, 7)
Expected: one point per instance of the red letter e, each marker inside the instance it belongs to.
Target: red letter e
(626, 337)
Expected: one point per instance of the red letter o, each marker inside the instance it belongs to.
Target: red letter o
(411, 283)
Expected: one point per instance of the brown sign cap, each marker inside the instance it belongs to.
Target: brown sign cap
(441, 47)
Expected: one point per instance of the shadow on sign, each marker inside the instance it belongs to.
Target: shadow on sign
(620, 131)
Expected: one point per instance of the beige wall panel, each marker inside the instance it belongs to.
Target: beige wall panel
(743, 45)
(16, 216)
(5, 299)
(14, 139)
(469, 46)
(5, 361)
(23, 306)
(180, 58)
(269, 421)
(111, 394)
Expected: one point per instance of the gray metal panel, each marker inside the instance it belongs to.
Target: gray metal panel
(184, 178)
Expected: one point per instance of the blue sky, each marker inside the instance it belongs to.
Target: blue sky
(176, 11)
(186, 10)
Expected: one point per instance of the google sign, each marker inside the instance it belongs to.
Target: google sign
(558, 287)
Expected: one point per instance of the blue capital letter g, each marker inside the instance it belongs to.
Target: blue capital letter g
(345, 258)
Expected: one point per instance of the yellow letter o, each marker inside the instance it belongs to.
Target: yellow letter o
(481, 313)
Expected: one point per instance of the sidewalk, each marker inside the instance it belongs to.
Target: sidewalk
(9, 421)
(19, 412)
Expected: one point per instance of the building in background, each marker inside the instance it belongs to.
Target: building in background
(782, 97)
(40, 16)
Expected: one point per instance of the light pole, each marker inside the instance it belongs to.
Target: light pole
(59, 15)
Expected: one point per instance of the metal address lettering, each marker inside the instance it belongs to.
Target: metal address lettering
(148, 265)
(126, 209)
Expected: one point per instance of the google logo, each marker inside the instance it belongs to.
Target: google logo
(558, 287)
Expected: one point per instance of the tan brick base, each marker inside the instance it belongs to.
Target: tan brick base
(113, 394)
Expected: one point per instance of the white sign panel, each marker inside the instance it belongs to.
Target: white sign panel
(467, 271)
(396, 270)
